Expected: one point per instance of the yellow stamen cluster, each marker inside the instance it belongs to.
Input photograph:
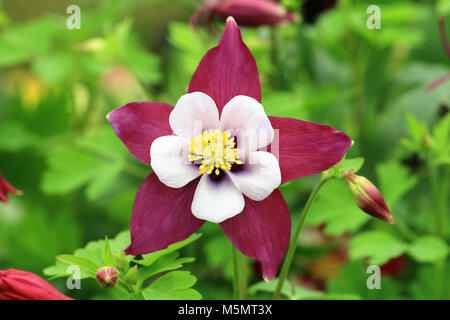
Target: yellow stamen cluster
(214, 150)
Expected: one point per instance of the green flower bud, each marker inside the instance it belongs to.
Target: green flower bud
(132, 275)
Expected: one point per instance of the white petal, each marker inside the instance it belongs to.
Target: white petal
(217, 201)
(169, 160)
(259, 177)
(245, 117)
(194, 113)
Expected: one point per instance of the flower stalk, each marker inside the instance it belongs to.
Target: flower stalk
(240, 272)
(294, 241)
(236, 274)
(440, 191)
(243, 285)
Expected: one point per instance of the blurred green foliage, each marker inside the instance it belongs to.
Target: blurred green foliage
(78, 180)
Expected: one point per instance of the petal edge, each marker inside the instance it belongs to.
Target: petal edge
(137, 124)
(262, 231)
(161, 216)
(227, 70)
(306, 148)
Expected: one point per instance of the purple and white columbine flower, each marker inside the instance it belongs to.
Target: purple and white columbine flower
(207, 167)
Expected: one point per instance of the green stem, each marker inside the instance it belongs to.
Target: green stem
(243, 287)
(122, 288)
(236, 277)
(439, 189)
(443, 192)
(439, 211)
(294, 241)
(127, 289)
(404, 229)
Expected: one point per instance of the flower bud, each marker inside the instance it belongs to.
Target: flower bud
(119, 84)
(22, 285)
(427, 141)
(107, 277)
(251, 13)
(6, 188)
(132, 275)
(120, 259)
(255, 13)
(368, 198)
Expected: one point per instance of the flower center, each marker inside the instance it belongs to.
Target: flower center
(214, 150)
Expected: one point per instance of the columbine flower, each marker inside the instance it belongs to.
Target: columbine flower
(6, 188)
(107, 277)
(22, 285)
(208, 168)
(368, 198)
(252, 13)
(446, 46)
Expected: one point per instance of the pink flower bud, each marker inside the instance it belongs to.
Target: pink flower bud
(22, 285)
(368, 198)
(120, 84)
(6, 188)
(107, 277)
(252, 13)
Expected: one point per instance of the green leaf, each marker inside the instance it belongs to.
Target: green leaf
(395, 181)
(351, 283)
(150, 258)
(425, 286)
(285, 104)
(53, 68)
(18, 43)
(428, 249)
(443, 8)
(297, 292)
(441, 132)
(86, 265)
(108, 259)
(93, 251)
(352, 165)
(30, 221)
(290, 291)
(175, 285)
(132, 275)
(182, 37)
(103, 181)
(93, 159)
(416, 129)
(68, 170)
(264, 286)
(379, 246)
(14, 136)
(218, 255)
(104, 143)
(338, 296)
(164, 263)
(144, 65)
(13, 54)
(441, 139)
(336, 208)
